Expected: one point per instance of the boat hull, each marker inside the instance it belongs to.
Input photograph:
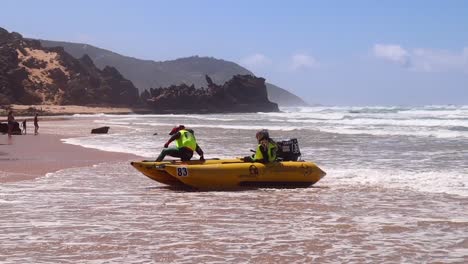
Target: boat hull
(231, 173)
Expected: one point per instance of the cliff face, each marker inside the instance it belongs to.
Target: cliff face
(243, 93)
(32, 74)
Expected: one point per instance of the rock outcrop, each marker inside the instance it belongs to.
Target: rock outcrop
(100, 130)
(15, 131)
(32, 74)
(242, 93)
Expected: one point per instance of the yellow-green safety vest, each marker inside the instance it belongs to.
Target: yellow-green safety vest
(187, 140)
(271, 154)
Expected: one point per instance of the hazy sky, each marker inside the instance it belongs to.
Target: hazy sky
(329, 52)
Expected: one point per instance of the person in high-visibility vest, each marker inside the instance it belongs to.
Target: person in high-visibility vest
(186, 144)
(266, 149)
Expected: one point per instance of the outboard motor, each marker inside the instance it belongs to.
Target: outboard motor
(288, 150)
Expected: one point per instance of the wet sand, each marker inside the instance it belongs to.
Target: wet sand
(25, 157)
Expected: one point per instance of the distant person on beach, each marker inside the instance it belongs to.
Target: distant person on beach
(11, 122)
(24, 126)
(36, 124)
(185, 145)
(266, 149)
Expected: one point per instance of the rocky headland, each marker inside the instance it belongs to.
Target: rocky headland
(32, 74)
(242, 93)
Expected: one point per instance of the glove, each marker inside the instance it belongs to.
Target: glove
(248, 159)
(166, 145)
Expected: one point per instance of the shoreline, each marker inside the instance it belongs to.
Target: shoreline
(28, 111)
(28, 157)
(54, 110)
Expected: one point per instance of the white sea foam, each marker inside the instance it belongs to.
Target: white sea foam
(209, 118)
(113, 144)
(386, 122)
(451, 182)
(308, 115)
(431, 121)
(248, 127)
(376, 131)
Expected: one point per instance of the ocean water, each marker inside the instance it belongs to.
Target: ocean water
(396, 191)
(422, 148)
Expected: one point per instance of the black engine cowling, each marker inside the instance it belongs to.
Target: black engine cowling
(288, 150)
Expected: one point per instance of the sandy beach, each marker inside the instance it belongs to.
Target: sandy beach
(26, 157)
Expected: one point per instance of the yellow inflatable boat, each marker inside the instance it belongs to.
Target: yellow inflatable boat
(231, 173)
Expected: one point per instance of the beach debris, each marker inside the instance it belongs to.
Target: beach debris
(100, 130)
